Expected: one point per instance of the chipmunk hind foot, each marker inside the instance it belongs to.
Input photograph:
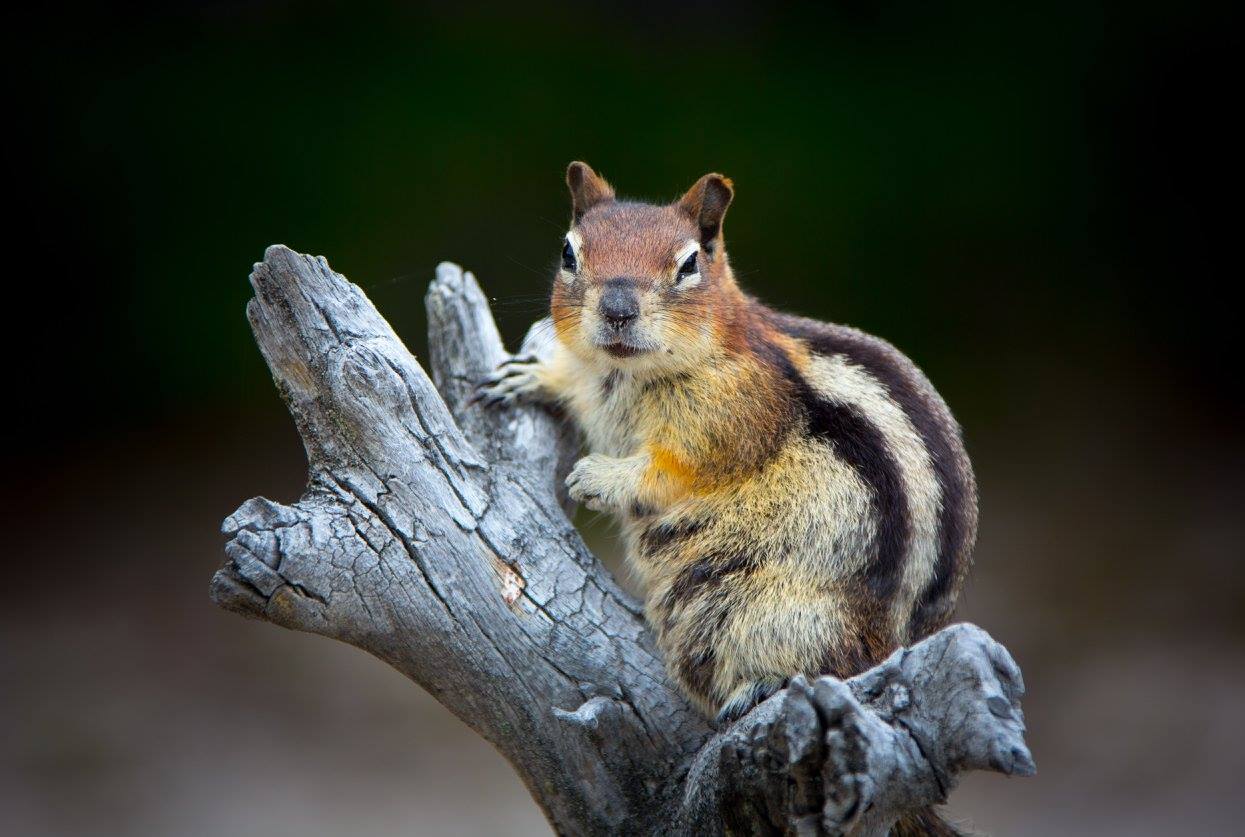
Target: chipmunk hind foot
(747, 697)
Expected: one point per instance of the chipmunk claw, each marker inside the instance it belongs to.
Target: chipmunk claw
(513, 379)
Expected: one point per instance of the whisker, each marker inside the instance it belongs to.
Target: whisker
(527, 267)
(560, 226)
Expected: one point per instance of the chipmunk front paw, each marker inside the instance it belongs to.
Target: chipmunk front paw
(604, 483)
(515, 379)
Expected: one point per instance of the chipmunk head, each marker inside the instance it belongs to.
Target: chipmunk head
(642, 286)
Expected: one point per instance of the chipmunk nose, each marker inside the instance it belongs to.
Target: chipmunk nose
(619, 306)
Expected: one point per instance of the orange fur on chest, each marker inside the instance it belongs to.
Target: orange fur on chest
(712, 452)
(666, 464)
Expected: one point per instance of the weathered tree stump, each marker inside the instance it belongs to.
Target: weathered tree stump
(434, 535)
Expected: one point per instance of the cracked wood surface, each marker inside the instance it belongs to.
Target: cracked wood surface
(434, 535)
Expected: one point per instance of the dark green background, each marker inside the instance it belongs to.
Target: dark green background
(1038, 205)
(979, 184)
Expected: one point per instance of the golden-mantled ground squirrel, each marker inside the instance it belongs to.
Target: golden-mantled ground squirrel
(794, 495)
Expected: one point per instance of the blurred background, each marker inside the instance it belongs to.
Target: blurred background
(1035, 205)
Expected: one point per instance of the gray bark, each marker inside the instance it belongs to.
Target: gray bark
(433, 534)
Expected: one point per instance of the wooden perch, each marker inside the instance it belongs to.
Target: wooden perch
(433, 535)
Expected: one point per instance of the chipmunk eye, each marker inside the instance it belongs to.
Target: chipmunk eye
(569, 262)
(686, 269)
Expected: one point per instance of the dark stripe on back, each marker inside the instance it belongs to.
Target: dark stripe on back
(859, 443)
(939, 432)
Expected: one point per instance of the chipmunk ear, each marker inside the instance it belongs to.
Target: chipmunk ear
(587, 189)
(706, 203)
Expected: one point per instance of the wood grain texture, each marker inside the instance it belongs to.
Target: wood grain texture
(433, 535)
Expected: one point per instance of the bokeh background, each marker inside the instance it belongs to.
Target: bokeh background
(1036, 205)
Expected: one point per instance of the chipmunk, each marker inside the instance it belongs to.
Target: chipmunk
(794, 495)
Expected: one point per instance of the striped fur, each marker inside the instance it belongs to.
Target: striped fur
(929, 416)
(794, 495)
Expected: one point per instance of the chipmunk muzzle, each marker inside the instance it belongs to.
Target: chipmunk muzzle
(619, 310)
(619, 305)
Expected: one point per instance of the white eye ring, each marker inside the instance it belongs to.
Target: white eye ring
(575, 242)
(686, 280)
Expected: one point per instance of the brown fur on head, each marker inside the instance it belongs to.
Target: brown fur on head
(644, 287)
